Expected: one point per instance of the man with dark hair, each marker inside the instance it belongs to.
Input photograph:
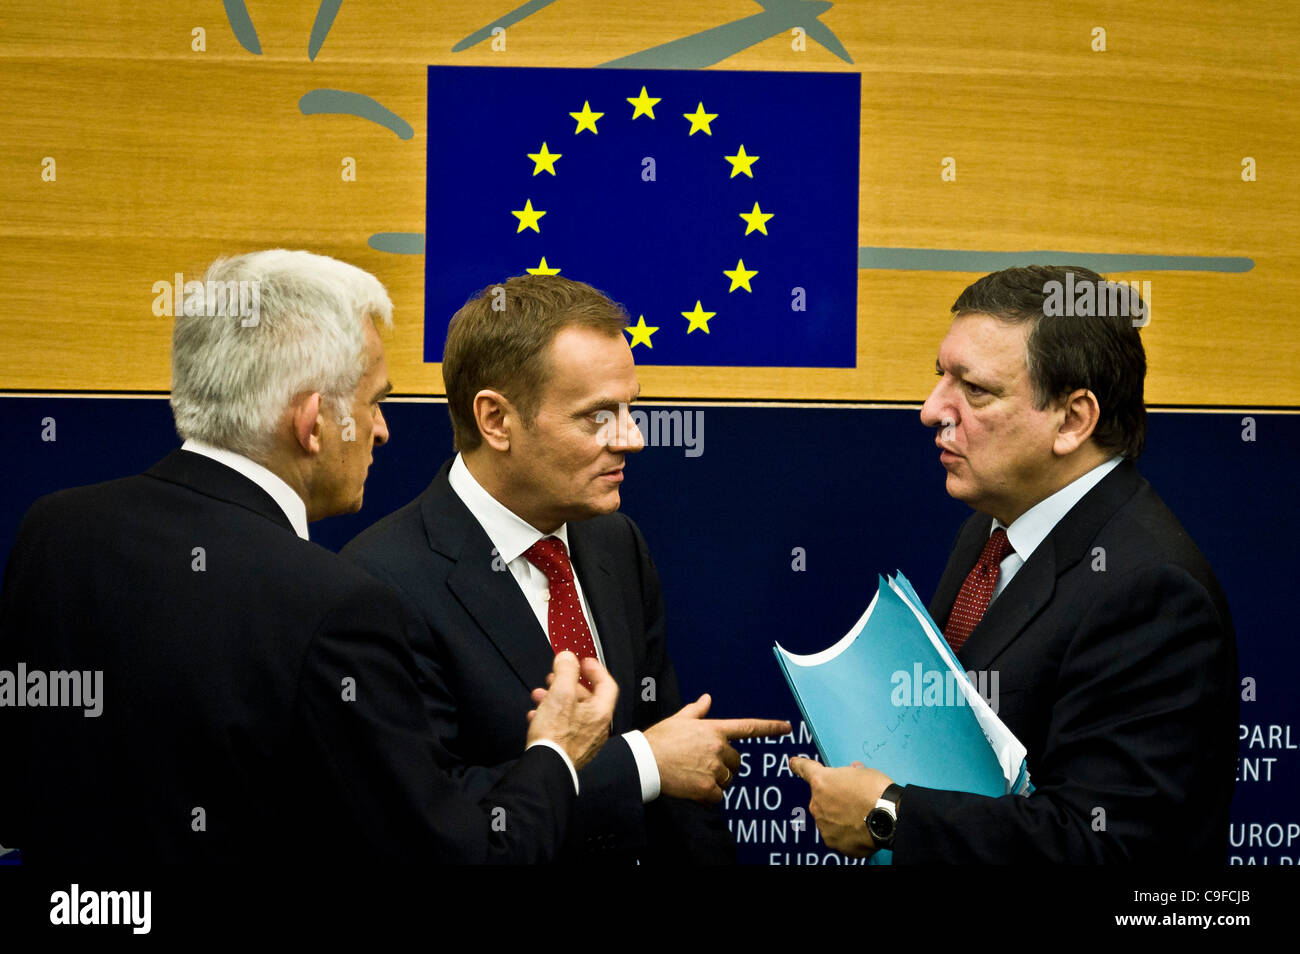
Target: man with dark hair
(516, 551)
(1073, 581)
(259, 699)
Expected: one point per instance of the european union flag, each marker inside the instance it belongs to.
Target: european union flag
(721, 208)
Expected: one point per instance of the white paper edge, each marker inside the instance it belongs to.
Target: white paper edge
(826, 655)
(1009, 750)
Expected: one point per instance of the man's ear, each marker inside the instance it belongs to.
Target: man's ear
(496, 418)
(1081, 413)
(307, 422)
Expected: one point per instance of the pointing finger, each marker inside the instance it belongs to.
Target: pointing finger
(751, 728)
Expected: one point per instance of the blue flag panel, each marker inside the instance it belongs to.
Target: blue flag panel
(719, 207)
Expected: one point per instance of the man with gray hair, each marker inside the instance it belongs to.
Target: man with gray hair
(259, 697)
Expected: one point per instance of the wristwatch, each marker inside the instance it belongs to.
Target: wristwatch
(882, 820)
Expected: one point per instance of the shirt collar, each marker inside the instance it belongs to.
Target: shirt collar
(510, 533)
(280, 492)
(1032, 527)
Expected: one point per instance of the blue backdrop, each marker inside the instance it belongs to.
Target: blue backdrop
(859, 492)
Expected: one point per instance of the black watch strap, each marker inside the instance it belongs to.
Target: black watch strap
(882, 820)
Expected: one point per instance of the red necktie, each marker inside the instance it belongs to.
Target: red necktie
(565, 624)
(977, 592)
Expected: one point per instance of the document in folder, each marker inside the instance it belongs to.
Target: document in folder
(892, 695)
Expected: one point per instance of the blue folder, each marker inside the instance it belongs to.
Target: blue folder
(889, 694)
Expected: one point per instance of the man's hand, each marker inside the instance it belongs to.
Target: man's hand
(841, 799)
(575, 719)
(693, 753)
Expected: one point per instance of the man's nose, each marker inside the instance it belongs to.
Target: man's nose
(381, 428)
(936, 408)
(628, 438)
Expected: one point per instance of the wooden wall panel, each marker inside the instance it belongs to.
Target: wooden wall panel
(167, 157)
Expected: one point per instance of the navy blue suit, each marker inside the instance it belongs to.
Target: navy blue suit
(1121, 682)
(482, 651)
(259, 696)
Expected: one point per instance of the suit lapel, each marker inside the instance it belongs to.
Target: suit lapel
(491, 597)
(1016, 606)
(1035, 582)
(600, 585)
(965, 551)
(213, 479)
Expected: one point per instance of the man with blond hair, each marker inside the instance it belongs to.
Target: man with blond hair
(516, 551)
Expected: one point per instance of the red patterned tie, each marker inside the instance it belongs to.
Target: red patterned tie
(977, 592)
(565, 624)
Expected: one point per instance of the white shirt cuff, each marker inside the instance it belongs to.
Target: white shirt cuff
(646, 766)
(563, 754)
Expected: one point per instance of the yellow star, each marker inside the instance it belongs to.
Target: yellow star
(586, 119)
(700, 120)
(740, 277)
(644, 105)
(741, 162)
(542, 269)
(641, 332)
(527, 217)
(757, 220)
(699, 318)
(544, 161)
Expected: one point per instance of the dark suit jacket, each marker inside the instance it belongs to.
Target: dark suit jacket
(482, 652)
(1121, 682)
(226, 689)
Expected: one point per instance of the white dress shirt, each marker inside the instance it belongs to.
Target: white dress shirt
(511, 537)
(280, 492)
(1032, 527)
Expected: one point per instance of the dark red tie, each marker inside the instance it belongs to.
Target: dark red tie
(565, 624)
(977, 592)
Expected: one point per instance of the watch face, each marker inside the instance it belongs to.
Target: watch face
(880, 823)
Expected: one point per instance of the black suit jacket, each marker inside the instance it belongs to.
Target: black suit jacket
(482, 652)
(263, 706)
(1117, 669)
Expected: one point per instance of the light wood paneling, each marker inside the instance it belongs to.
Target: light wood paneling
(168, 157)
